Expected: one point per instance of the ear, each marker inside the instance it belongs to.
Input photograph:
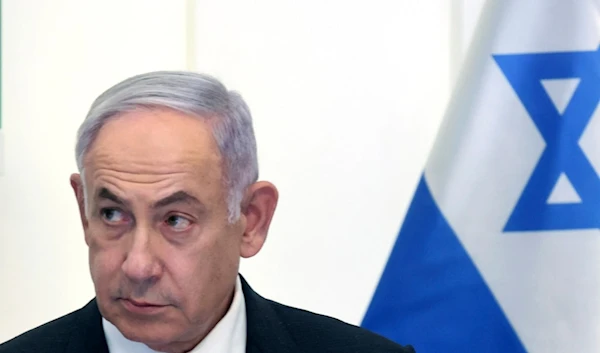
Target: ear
(77, 185)
(258, 209)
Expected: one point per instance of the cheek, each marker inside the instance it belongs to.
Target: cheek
(208, 269)
(105, 261)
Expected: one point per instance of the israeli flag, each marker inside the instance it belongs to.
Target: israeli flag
(500, 248)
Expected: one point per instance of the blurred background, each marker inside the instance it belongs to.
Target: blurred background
(347, 97)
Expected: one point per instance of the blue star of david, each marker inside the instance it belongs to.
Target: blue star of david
(562, 153)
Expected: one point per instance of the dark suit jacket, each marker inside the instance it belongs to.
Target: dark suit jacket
(272, 328)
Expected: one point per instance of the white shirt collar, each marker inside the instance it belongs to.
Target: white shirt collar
(228, 336)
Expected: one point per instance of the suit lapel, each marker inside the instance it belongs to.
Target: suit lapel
(88, 336)
(266, 332)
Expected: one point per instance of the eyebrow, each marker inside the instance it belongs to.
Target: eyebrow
(104, 193)
(179, 196)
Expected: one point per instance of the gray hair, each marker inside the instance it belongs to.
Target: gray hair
(195, 94)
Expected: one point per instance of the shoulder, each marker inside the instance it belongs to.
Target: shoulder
(320, 333)
(275, 327)
(50, 337)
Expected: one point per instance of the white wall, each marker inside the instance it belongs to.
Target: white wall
(57, 56)
(347, 97)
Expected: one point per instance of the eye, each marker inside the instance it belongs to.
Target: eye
(178, 223)
(112, 215)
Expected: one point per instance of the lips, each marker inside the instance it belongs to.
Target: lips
(141, 307)
(141, 303)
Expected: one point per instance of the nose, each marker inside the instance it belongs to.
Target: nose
(141, 263)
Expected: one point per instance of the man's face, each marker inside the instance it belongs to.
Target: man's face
(163, 257)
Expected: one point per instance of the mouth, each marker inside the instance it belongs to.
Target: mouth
(141, 307)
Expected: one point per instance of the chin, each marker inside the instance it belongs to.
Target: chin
(152, 331)
(154, 335)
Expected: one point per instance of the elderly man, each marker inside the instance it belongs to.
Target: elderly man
(169, 201)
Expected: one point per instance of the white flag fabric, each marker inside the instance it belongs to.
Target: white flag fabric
(500, 249)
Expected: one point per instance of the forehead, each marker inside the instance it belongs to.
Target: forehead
(148, 145)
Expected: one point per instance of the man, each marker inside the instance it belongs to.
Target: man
(169, 201)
